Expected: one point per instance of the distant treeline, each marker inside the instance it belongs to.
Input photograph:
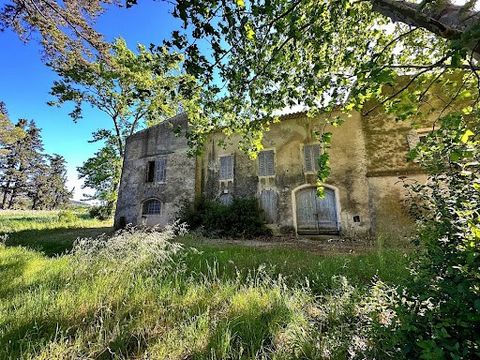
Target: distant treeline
(29, 178)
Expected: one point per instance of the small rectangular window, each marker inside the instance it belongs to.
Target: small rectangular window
(150, 173)
(266, 163)
(226, 167)
(161, 170)
(311, 155)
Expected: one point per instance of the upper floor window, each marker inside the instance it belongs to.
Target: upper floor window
(161, 170)
(226, 167)
(311, 153)
(152, 207)
(266, 163)
(157, 171)
(150, 172)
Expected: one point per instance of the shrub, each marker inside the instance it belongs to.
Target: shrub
(67, 216)
(101, 212)
(242, 218)
(443, 303)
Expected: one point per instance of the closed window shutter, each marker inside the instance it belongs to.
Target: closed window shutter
(226, 167)
(266, 163)
(268, 202)
(270, 156)
(230, 167)
(311, 153)
(308, 158)
(161, 170)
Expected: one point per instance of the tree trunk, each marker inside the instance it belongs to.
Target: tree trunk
(5, 194)
(12, 198)
(443, 19)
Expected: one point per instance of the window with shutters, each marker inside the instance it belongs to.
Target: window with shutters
(266, 163)
(152, 207)
(161, 170)
(311, 154)
(226, 167)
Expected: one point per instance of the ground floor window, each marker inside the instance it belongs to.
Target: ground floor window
(152, 207)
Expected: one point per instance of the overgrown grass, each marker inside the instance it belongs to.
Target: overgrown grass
(52, 232)
(297, 265)
(141, 296)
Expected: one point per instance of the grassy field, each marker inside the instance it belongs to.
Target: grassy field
(143, 296)
(51, 232)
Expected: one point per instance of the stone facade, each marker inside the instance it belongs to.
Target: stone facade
(364, 191)
(150, 145)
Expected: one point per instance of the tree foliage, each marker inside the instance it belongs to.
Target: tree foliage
(66, 28)
(102, 173)
(441, 307)
(22, 156)
(26, 173)
(258, 57)
(135, 90)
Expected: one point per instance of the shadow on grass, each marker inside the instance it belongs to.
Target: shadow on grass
(53, 242)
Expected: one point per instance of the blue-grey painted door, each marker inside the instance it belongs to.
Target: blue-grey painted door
(316, 215)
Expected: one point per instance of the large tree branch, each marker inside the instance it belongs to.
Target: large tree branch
(447, 20)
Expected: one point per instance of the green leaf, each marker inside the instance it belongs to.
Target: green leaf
(466, 136)
(249, 33)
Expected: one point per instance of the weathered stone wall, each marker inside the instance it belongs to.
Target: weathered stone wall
(367, 157)
(388, 142)
(149, 145)
(287, 138)
(391, 221)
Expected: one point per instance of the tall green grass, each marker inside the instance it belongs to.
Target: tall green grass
(52, 232)
(139, 295)
(143, 295)
(298, 265)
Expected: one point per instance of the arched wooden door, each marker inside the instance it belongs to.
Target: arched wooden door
(316, 215)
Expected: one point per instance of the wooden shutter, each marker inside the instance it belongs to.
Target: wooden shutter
(311, 154)
(161, 170)
(261, 164)
(266, 163)
(268, 202)
(226, 167)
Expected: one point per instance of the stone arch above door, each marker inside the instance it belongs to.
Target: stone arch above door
(313, 215)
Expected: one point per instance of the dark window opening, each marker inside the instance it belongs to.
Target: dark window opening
(150, 171)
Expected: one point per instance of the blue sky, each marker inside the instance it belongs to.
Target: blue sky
(25, 82)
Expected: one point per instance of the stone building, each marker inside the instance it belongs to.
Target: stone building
(364, 194)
